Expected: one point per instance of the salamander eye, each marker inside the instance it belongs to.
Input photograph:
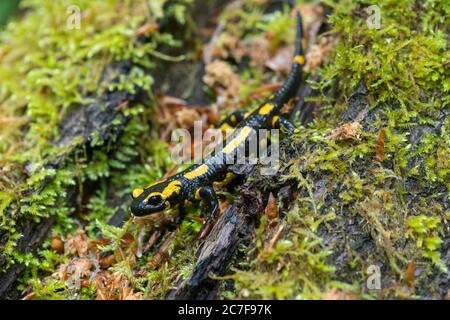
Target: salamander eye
(154, 200)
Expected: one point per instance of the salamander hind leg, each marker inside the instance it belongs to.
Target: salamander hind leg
(209, 197)
(279, 122)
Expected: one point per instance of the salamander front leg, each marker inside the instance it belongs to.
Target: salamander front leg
(209, 198)
(181, 213)
(279, 122)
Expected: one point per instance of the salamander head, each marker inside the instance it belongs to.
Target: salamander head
(155, 198)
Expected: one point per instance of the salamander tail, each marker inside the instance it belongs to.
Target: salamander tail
(289, 88)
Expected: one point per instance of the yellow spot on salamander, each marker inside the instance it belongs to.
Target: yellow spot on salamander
(228, 178)
(299, 59)
(152, 195)
(266, 109)
(233, 119)
(137, 192)
(274, 120)
(237, 140)
(249, 112)
(201, 170)
(197, 194)
(225, 126)
(172, 188)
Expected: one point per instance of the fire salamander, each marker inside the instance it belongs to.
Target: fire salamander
(196, 183)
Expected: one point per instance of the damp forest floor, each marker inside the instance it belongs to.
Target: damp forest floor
(90, 91)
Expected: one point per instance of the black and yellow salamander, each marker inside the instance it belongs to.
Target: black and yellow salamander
(196, 183)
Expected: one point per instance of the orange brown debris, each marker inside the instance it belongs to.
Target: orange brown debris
(147, 29)
(410, 277)
(379, 154)
(271, 210)
(77, 244)
(56, 244)
(347, 131)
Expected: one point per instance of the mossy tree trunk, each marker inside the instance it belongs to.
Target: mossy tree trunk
(368, 183)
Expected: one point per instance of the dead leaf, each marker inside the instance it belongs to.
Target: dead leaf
(147, 29)
(76, 271)
(111, 287)
(171, 101)
(224, 81)
(104, 282)
(318, 53)
(167, 106)
(95, 244)
(77, 244)
(282, 60)
(56, 244)
(347, 131)
(259, 51)
(81, 266)
(309, 11)
(410, 277)
(379, 155)
(206, 229)
(336, 294)
(127, 239)
(263, 90)
(128, 293)
(271, 210)
(229, 46)
(107, 261)
(186, 117)
(4, 120)
(212, 113)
